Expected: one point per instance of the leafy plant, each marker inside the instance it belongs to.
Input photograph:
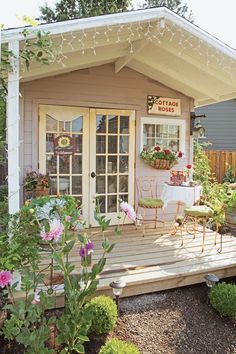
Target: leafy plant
(117, 346)
(104, 314)
(229, 176)
(223, 299)
(151, 154)
(202, 170)
(230, 200)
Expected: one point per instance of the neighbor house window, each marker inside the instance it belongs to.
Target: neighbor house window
(166, 133)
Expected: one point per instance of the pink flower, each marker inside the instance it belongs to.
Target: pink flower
(157, 148)
(56, 230)
(5, 278)
(68, 218)
(180, 154)
(128, 210)
(189, 167)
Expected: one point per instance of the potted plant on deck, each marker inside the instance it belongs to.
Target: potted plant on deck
(36, 185)
(230, 210)
(160, 159)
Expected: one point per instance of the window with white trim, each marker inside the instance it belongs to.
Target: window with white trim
(166, 133)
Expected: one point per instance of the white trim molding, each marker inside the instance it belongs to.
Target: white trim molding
(168, 121)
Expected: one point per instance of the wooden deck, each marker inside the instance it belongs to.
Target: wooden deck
(157, 262)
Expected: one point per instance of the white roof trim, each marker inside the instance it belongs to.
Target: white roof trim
(116, 19)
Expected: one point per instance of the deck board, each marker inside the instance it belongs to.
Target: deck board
(156, 262)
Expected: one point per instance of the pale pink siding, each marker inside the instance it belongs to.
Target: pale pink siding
(97, 87)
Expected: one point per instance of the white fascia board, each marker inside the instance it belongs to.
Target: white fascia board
(200, 33)
(86, 23)
(137, 16)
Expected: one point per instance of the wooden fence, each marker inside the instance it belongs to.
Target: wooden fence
(220, 161)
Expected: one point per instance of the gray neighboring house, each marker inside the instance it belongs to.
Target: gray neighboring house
(220, 124)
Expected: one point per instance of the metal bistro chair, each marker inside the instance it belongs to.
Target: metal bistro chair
(147, 199)
(195, 214)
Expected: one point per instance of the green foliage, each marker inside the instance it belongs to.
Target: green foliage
(104, 314)
(27, 323)
(177, 6)
(223, 299)
(229, 176)
(202, 170)
(151, 154)
(117, 346)
(71, 9)
(230, 200)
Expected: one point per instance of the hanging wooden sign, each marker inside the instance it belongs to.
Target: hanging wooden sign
(64, 145)
(163, 105)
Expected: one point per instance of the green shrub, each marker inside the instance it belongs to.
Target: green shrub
(223, 299)
(117, 346)
(104, 314)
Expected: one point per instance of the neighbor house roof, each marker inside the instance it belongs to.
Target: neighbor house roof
(155, 42)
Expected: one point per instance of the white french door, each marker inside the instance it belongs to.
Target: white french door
(102, 164)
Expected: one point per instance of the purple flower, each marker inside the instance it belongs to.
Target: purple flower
(89, 246)
(68, 218)
(5, 278)
(82, 252)
(86, 250)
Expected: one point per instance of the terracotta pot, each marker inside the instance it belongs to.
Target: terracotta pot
(39, 192)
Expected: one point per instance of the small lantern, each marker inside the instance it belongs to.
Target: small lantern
(211, 280)
(117, 288)
(198, 131)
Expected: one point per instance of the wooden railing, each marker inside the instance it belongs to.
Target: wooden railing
(220, 161)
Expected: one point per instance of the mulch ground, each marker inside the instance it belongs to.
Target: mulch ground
(175, 321)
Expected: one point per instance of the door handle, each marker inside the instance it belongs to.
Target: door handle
(93, 174)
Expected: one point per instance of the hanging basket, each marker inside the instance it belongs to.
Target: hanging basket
(161, 164)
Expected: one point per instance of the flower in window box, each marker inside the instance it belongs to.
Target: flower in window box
(160, 159)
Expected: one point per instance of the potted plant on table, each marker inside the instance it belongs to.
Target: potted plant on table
(161, 159)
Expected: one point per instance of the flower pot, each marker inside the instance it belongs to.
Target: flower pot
(230, 218)
(161, 164)
(39, 192)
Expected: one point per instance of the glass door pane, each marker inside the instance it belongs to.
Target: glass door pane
(112, 160)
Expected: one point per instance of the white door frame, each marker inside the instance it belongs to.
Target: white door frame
(131, 114)
(89, 151)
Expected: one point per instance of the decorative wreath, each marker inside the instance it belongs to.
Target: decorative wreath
(64, 142)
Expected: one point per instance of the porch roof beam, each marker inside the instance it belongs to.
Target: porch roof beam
(13, 122)
(136, 48)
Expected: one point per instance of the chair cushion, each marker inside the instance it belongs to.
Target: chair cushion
(199, 211)
(150, 203)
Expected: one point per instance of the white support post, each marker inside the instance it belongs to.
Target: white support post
(13, 120)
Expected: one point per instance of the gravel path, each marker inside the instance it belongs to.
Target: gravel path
(177, 321)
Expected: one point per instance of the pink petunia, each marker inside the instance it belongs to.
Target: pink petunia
(56, 230)
(128, 210)
(5, 278)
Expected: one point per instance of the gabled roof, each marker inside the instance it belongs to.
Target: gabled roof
(155, 42)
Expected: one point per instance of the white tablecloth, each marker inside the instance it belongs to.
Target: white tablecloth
(187, 195)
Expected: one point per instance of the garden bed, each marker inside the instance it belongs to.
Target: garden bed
(173, 321)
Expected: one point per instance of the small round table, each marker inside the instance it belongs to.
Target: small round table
(183, 195)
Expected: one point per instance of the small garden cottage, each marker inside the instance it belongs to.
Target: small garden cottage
(116, 84)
